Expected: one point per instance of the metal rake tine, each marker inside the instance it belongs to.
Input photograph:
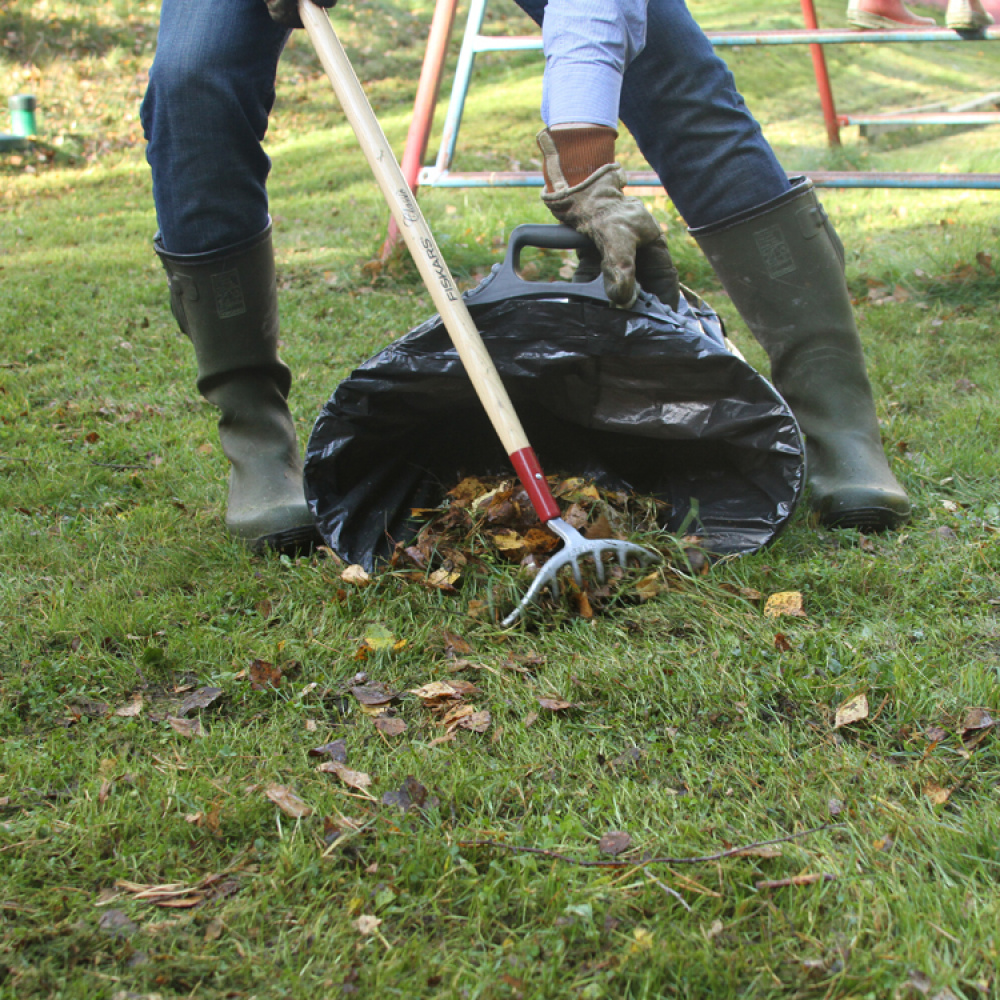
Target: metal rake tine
(576, 545)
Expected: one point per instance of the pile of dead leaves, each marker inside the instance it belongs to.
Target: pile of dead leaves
(490, 520)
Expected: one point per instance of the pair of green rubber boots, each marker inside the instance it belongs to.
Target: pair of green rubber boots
(782, 265)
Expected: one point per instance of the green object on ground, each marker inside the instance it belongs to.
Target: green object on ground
(227, 305)
(22, 115)
(783, 267)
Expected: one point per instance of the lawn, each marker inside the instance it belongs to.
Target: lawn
(202, 793)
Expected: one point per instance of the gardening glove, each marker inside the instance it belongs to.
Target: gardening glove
(286, 12)
(584, 190)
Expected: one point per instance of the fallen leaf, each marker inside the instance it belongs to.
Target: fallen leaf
(354, 779)
(337, 750)
(411, 795)
(555, 704)
(937, 795)
(117, 924)
(201, 698)
(367, 924)
(357, 575)
(649, 587)
(455, 645)
(390, 725)
(976, 719)
(131, 708)
(853, 710)
(374, 694)
(437, 691)
(287, 801)
(794, 880)
(614, 842)
(186, 727)
(214, 929)
(786, 602)
(476, 722)
(760, 851)
(264, 675)
(530, 719)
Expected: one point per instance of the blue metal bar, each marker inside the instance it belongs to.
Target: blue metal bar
(837, 36)
(783, 36)
(821, 178)
(925, 118)
(460, 85)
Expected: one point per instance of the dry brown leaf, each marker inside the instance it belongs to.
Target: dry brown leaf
(785, 602)
(186, 727)
(264, 675)
(937, 795)
(354, 779)
(555, 704)
(287, 801)
(456, 714)
(649, 587)
(131, 708)
(760, 851)
(437, 691)
(975, 719)
(614, 842)
(373, 694)
(853, 710)
(455, 645)
(201, 698)
(390, 725)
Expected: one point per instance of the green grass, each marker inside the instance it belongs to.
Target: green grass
(699, 724)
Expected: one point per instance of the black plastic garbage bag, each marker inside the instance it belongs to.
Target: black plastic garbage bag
(650, 400)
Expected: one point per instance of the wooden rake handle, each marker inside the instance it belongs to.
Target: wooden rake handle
(433, 270)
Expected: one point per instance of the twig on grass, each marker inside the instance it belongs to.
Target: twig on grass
(666, 888)
(781, 883)
(583, 863)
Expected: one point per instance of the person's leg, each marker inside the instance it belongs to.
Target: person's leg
(205, 113)
(680, 103)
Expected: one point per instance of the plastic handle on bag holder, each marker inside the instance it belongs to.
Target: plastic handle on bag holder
(423, 247)
(506, 283)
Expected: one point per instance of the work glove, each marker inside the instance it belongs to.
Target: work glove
(286, 12)
(584, 190)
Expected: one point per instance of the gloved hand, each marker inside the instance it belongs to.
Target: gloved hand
(286, 12)
(584, 190)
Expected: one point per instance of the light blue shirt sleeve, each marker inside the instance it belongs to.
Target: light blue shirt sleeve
(588, 45)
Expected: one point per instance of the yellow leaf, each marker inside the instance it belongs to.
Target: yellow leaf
(937, 795)
(356, 574)
(436, 691)
(507, 540)
(853, 710)
(786, 602)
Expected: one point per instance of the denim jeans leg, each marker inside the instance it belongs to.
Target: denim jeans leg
(681, 105)
(211, 88)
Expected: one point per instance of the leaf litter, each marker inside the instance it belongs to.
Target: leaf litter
(489, 520)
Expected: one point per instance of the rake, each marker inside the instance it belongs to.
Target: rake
(459, 324)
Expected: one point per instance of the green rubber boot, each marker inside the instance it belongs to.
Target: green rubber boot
(226, 303)
(783, 267)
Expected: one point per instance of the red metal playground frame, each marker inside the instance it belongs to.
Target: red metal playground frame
(440, 174)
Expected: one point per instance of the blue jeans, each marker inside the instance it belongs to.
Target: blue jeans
(211, 89)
